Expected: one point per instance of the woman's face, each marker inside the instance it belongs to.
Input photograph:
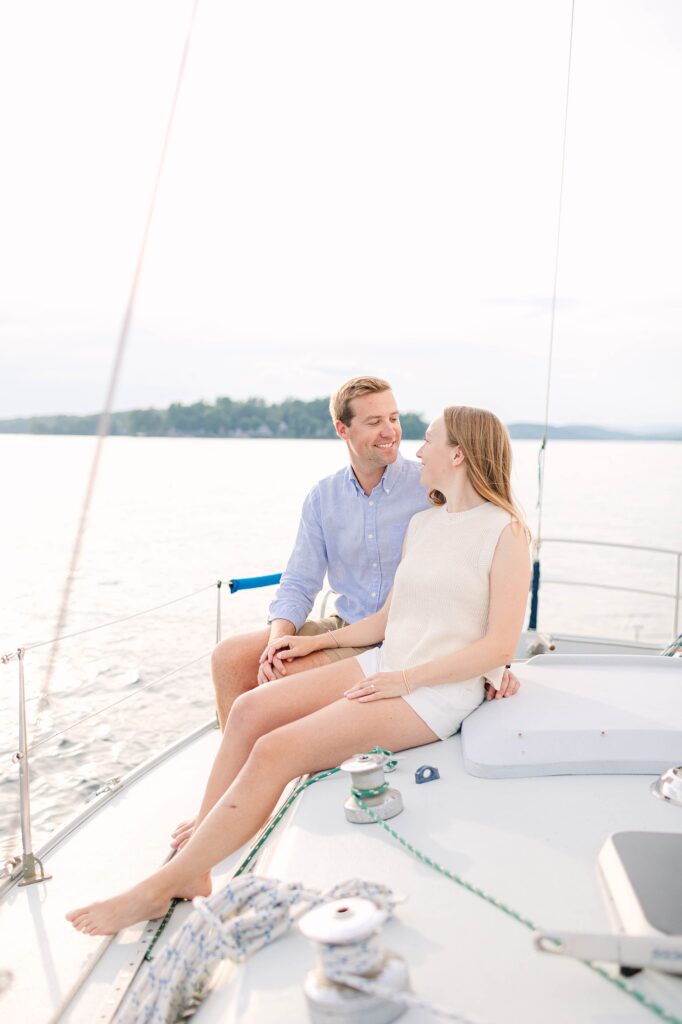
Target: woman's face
(438, 458)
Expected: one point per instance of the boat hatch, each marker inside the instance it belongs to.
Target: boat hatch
(641, 874)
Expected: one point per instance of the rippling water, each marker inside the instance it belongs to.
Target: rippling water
(171, 516)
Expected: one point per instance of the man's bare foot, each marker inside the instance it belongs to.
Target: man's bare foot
(183, 833)
(141, 903)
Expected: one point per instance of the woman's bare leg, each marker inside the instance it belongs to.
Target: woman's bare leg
(260, 711)
(320, 740)
(240, 715)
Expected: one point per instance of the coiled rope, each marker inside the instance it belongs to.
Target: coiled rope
(246, 915)
(249, 913)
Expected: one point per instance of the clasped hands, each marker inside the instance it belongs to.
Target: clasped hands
(273, 660)
(271, 664)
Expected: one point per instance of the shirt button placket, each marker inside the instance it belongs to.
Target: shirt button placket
(373, 550)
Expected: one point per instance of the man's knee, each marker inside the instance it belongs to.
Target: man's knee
(318, 659)
(236, 658)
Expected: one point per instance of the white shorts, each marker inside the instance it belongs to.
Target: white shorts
(443, 707)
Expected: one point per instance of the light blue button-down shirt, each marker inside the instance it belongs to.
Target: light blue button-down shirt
(355, 538)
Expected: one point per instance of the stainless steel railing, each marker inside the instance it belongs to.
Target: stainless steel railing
(675, 597)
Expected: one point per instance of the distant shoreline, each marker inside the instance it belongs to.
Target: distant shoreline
(292, 419)
(551, 436)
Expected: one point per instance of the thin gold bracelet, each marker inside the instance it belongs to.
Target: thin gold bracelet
(407, 685)
(333, 638)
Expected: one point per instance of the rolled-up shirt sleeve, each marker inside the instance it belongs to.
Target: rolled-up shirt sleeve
(304, 575)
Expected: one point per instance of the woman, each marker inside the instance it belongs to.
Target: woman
(453, 617)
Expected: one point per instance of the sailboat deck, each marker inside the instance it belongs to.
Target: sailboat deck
(531, 842)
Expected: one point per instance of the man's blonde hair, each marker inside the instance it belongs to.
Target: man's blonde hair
(356, 387)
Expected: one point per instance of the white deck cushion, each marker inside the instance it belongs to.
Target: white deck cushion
(581, 715)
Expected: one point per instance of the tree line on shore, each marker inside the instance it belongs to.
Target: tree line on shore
(292, 418)
(224, 418)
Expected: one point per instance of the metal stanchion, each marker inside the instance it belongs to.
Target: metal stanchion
(29, 861)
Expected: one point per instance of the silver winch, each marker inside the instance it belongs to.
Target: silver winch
(369, 785)
(669, 786)
(354, 975)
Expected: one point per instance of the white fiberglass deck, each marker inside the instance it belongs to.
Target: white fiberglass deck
(532, 842)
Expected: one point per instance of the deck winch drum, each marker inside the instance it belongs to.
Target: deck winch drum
(368, 784)
(347, 935)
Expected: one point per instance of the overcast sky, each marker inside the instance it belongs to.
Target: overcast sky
(356, 186)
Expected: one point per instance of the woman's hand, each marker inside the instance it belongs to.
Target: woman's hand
(508, 687)
(286, 648)
(378, 687)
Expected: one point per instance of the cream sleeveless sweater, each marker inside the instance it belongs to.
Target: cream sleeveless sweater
(442, 587)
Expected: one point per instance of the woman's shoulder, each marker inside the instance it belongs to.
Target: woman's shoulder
(421, 520)
(498, 515)
(426, 516)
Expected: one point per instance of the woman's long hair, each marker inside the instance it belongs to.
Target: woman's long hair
(487, 449)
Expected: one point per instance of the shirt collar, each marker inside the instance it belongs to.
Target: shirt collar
(388, 480)
(391, 474)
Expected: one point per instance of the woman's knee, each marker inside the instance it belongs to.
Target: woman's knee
(274, 753)
(247, 717)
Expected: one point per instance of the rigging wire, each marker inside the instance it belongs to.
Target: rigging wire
(543, 443)
(104, 625)
(532, 624)
(105, 417)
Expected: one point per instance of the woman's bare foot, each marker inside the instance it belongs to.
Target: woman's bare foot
(183, 833)
(201, 887)
(141, 903)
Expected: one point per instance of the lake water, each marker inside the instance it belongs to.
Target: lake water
(170, 516)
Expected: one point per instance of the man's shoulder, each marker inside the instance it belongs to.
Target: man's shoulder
(331, 483)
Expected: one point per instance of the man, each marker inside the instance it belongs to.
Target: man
(352, 528)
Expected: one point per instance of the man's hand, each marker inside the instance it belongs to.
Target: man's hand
(508, 687)
(281, 650)
(266, 672)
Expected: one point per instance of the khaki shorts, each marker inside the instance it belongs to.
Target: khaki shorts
(313, 627)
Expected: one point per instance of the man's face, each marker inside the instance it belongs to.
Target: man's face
(373, 436)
